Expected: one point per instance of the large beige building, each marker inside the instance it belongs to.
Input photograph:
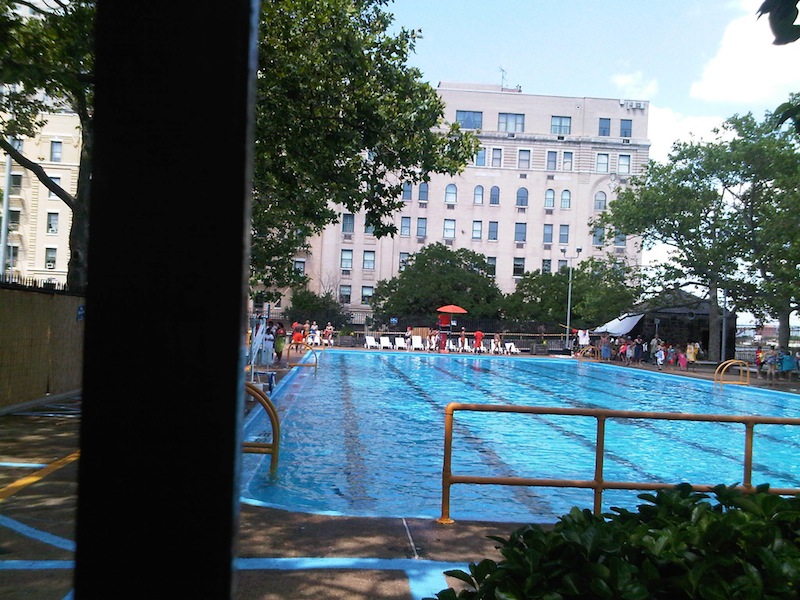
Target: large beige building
(38, 221)
(547, 165)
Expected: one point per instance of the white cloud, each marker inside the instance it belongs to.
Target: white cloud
(633, 85)
(748, 67)
(667, 126)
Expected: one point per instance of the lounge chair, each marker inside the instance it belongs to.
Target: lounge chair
(400, 343)
(451, 346)
(496, 348)
(416, 343)
(370, 342)
(511, 348)
(386, 343)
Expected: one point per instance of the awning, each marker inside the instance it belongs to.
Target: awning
(620, 325)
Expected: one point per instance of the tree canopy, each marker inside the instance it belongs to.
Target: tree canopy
(341, 123)
(436, 276)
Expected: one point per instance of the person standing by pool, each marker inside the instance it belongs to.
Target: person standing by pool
(759, 361)
(462, 340)
(478, 341)
(660, 357)
(772, 364)
(605, 347)
(280, 342)
(408, 335)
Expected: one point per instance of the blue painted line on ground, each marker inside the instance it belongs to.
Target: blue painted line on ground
(23, 465)
(35, 565)
(425, 577)
(36, 534)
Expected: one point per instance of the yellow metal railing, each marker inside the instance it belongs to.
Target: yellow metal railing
(722, 369)
(272, 447)
(302, 348)
(598, 484)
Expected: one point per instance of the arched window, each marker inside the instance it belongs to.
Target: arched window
(477, 196)
(600, 201)
(450, 194)
(522, 197)
(549, 199)
(423, 192)
(566, 198)
(494, 195)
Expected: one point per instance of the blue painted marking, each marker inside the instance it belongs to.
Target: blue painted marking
(21, 465)
(31, 532)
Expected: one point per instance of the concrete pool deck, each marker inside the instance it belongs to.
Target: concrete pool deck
(281, 554)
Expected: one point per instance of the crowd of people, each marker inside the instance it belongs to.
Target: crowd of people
(777, 363)
(276, 337)
(636, 351)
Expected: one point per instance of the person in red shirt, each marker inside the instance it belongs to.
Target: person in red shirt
(478, 340)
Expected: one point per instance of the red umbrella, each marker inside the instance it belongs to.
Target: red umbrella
(452, 309)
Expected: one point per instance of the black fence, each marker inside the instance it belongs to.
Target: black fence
(15, 281)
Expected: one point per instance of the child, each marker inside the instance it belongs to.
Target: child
(660, 357)
(683, 362)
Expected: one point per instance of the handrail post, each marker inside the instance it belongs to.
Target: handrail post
(447, 467)
(748, 454)
(600, 444)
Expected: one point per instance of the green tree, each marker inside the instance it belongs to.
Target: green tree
(601, 291)
(47, 65)
(307, 305)
(341, 123)
(436, 276)
(681, 205)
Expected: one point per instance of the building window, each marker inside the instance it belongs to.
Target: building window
(492, 236)
(300, 265)
(423, 192)
(605, 127)
(624, 164)
(449, 229)
(520, 232)
(406, 190)
(12, 257)
(566, 165)
(600, 201)
(550, 199)
(477, 230)
(497, 157)
(55, 151)
(49, 258)
(562, 264)
(477, 195)
(348, 223)
(366, 294)
(524, 159)
(450, 194)
(346, 261)
(13, 220)
(403, 260)
(602, 163)
(16, 184)
(566, 199)
(597, 236)
(57, 181)
(491, 266)
(469, 119)
(547, 265)
(345, 292)
(52, 222)
(522, 197)
(422, 226)
(369, 229)
(548, 234)
(625, 128)
(405, 226)
(510, 122)
(560, 125)
(563, 234)
(480, 158)
(369, 260)
(620, 240)
(494, 195)
(519, 266)
(16, 144)
(552, 155)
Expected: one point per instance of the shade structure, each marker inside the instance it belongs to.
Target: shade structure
(619, 326)
(452, 309)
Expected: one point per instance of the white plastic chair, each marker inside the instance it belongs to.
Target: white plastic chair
(370, 342)
(511, 348)
(400, 343)
(386, 343)
(416, 343)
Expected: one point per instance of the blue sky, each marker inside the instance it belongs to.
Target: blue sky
(697, 62)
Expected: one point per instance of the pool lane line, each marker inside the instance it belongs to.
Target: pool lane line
(24, 482)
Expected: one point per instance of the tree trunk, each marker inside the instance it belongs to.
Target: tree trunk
(784, 329)
(714, 324)
(79, 232)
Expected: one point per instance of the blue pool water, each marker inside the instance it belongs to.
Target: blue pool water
(364, 435)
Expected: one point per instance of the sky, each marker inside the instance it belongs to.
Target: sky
(698, 62)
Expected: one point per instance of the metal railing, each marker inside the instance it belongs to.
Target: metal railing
(723, 368)
(272, 448)
(598, 484)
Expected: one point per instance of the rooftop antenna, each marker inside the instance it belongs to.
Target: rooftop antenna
(502, 77)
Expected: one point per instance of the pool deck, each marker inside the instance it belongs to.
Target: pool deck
(281, 554)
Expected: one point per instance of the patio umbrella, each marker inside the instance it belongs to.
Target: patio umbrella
(451, 309)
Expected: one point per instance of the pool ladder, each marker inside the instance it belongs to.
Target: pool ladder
(272, 448)
(722, 369)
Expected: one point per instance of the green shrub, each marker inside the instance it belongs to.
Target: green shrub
(678, 545)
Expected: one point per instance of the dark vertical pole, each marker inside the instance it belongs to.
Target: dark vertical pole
(164, 347)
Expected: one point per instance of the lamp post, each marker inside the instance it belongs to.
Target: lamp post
(569, 289)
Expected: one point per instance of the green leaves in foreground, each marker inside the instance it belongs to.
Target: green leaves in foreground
(678, 545)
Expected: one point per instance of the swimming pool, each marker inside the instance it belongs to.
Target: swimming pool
(363, 435)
